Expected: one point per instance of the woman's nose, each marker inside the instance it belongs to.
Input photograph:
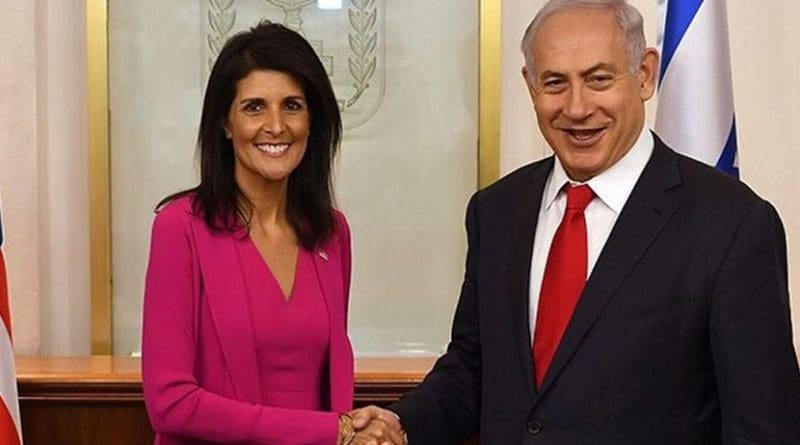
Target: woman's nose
(273, 122)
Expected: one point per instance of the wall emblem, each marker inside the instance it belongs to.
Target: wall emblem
(350, 41)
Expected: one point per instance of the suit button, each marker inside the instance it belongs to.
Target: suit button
(534, 427)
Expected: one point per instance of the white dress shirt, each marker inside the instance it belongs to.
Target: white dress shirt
(611, 188)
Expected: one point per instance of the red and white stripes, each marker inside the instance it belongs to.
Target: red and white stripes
(10, 427)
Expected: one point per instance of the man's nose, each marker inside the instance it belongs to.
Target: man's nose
(578, 105)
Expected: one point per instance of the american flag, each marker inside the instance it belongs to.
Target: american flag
(10, 428)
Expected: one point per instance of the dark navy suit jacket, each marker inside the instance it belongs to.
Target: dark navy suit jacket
(682, 334)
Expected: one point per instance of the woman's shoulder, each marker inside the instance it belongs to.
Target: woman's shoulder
(340, 224)
(180, 203)
(179, 210)
(339, 217)
(341, 229)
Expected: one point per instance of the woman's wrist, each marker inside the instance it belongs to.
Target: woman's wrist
(346, 430)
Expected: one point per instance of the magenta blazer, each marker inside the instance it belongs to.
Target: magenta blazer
(199, 372)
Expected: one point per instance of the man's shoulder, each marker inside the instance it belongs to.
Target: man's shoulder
(706, 183)
(518, 180)
(705, 195)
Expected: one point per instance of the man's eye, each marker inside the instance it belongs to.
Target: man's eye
(554, 85)
(600, 81)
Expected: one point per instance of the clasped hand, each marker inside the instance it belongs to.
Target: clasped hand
(376, 426)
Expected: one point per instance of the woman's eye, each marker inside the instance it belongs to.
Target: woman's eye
(253, 106)
(294, 105)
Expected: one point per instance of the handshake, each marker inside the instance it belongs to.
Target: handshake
(370, 426)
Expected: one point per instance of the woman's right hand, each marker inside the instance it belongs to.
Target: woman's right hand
(346, 430)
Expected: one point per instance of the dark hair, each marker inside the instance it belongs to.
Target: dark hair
(309, 203)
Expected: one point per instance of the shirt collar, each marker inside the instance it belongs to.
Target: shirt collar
(612, 186)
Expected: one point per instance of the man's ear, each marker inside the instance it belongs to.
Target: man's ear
(648, 72)
(526, 75)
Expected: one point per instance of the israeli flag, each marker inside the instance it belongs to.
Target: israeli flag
(695, 92)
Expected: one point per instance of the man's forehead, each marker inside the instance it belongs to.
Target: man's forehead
(578, 32)
(575, 21)
(579, 12)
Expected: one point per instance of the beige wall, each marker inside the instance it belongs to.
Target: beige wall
(387, 171)
(43, 155)
(19, 169)
(43, 174)
(765, 53)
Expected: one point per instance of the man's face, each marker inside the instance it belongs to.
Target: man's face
(588, 103)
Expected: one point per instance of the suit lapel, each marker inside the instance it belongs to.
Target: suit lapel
(327, 262)
(526, 206)
(230, 310)
(647, 211)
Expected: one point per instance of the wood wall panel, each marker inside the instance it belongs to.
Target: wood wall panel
(98, 400)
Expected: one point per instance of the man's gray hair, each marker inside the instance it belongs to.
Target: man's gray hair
(628, 18)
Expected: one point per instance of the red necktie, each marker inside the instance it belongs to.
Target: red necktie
(563, 281)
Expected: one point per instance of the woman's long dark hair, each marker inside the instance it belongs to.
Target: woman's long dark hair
(309, 203)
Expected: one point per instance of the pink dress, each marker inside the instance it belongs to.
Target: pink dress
(224, 358)
(291, 336)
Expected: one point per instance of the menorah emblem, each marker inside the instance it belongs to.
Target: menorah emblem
(349, 43)
(291, 10)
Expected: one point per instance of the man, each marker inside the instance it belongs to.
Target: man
(650, 307)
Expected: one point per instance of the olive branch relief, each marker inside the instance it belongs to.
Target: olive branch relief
(221, 18)
(363, 39)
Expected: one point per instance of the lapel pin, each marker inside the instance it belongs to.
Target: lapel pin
(323, 255)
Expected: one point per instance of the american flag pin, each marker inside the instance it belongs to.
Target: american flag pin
(323, 255)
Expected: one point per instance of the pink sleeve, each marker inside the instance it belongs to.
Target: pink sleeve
(175, 402)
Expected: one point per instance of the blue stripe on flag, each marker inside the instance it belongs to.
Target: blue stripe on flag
(727, 160)
(679, 16)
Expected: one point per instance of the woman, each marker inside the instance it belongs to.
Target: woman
(244, 336)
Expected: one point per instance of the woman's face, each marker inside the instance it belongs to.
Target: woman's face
(268, 124)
